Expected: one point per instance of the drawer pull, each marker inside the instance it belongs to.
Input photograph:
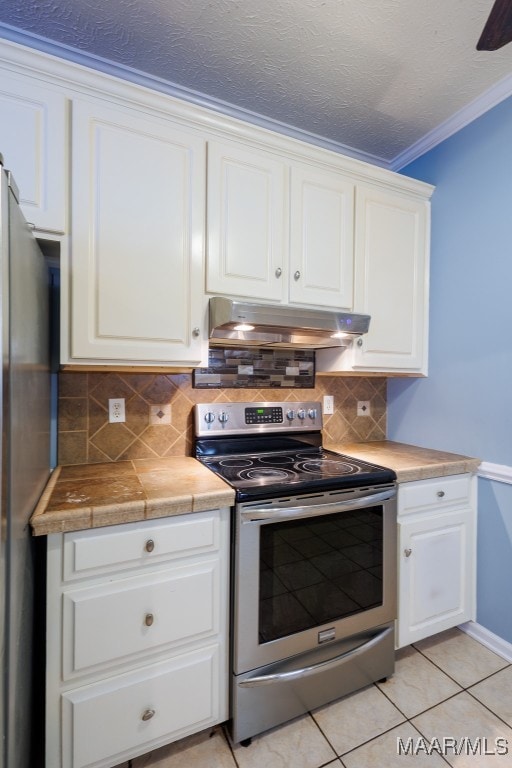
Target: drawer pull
(408, 552)
(148, 619)
(440, 494)
(150, 545)
(148, 714)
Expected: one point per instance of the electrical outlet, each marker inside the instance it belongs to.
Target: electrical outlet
(363, 408)
(328, 407)
(116, 412)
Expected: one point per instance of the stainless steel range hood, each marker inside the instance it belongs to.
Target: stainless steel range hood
(242, 323)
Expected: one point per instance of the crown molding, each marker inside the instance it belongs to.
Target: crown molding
(131, 75)
(486, 101)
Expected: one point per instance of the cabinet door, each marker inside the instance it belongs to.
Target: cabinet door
(33, 141)
(321, 239)
(137, 238)
(436, 574)
(391, 280)
(247, 229)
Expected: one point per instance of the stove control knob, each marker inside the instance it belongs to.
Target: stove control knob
(209, 417)
(223, 417)
(301, 413)
(312, 413)
(290, 415)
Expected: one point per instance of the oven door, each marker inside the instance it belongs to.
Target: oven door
(311, 570)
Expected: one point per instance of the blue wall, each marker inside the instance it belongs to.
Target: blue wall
(465, 405)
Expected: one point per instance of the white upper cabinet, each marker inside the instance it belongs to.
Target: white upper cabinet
(391, 283)
(278, 230)
(391, 280)
(33, 142)
(321, 238)
(247, 232)
(171, 203)
(136, 269)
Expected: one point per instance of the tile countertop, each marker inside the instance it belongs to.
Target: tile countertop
(85, 496)
(408, 461)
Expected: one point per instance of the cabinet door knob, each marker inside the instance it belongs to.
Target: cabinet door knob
(297, 275)
(150, 545)
(408, 552)
(196, 332)
(279, 272)
(148, 619)
(440, 494)
(359, 342)
(148, 714)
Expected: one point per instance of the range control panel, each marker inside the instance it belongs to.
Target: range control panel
(247, 418)
(264, 415)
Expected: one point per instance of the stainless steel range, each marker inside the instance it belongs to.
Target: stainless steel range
(314, 561)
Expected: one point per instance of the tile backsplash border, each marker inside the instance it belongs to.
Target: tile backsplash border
(255, 367)
(85, 435)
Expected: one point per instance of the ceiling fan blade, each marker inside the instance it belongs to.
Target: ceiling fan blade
(498, 29)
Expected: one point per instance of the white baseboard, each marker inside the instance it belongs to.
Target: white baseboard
(488, 639)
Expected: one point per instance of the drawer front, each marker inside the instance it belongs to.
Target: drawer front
(90, 553)
(107, 723)
(119, 621)
(438, 492)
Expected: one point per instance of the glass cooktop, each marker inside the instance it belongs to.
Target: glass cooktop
(294, 472)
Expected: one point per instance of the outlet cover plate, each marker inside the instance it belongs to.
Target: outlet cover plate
(328, 405)
(116, 410)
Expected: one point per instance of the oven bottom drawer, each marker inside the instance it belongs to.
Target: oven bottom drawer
(268, 696)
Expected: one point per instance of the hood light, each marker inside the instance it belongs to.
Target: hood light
(244, 327)
(340, 335)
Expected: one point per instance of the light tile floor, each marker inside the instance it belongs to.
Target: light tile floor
(448, 703)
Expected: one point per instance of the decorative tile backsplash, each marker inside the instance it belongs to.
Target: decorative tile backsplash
(256, 368)
(159, 412)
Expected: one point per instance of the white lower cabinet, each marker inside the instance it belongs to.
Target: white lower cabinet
(137, 648)
(111, 721)
(436, 555)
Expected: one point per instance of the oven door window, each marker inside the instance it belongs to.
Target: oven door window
(314, 571)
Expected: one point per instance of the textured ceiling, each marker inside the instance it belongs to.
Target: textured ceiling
(374, 75)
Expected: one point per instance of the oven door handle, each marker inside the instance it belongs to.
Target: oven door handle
(313, 510)
(322, 666)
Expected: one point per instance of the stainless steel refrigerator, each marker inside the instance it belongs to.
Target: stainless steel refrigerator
(25, 465)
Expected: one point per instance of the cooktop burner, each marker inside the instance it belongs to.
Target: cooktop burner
(266, 451)
(293, 466)
(258, 475)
